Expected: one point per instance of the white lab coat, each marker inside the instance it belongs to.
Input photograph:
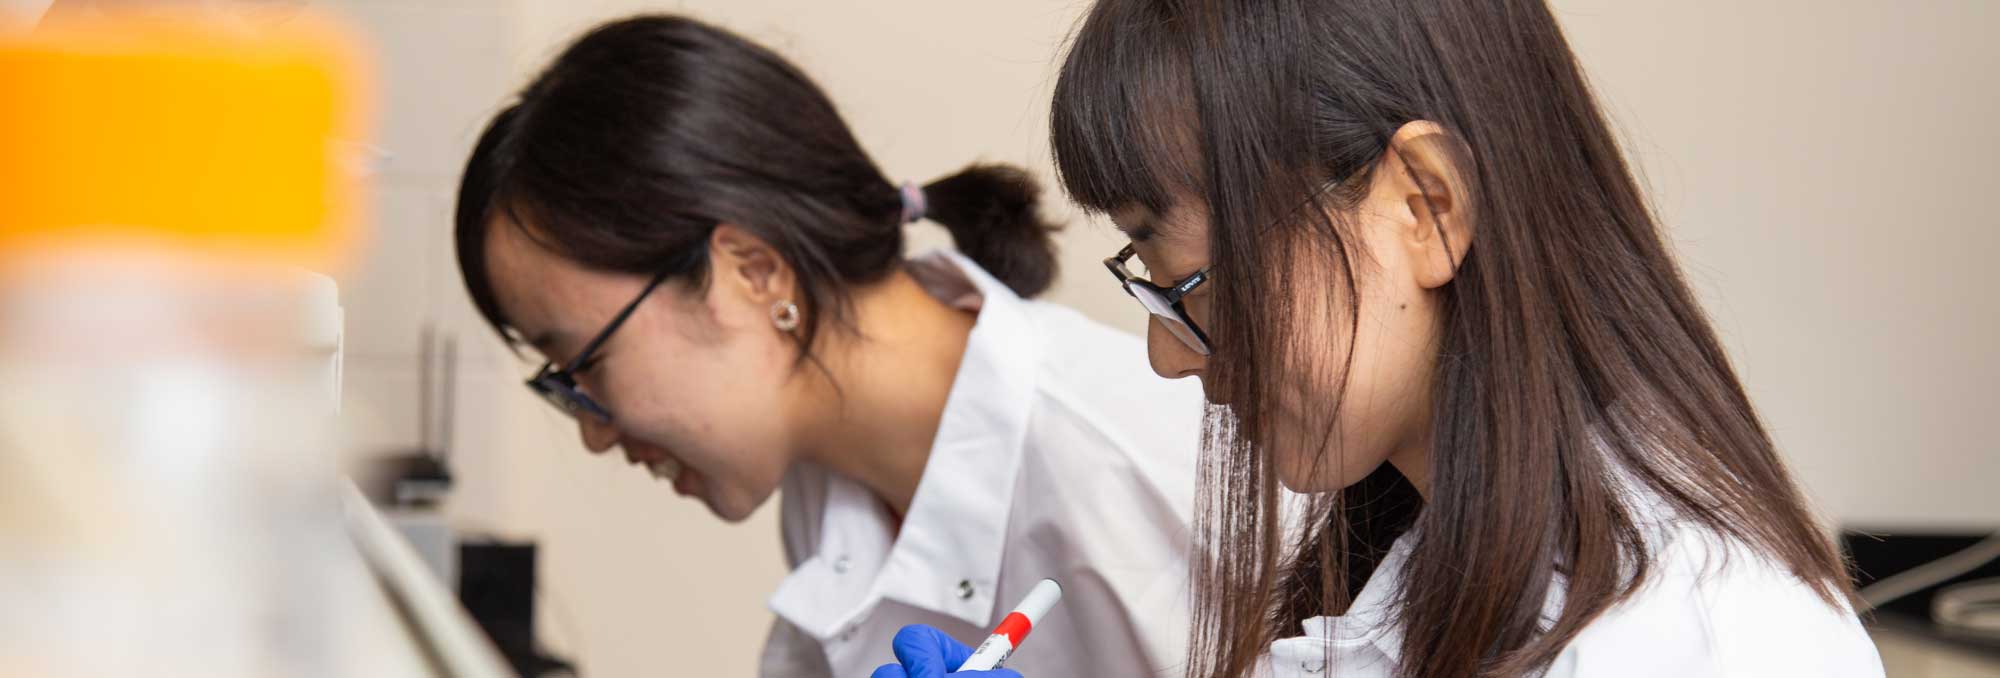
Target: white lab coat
(1710, 608)
(1060, 454)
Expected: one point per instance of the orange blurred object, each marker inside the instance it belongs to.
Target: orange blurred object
(178, 133)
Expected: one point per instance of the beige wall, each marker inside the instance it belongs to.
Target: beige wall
(1823, 166)
(1826, 168)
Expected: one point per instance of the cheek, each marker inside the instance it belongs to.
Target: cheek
(1339, 419)
(730, 402)
(1317, 441)
(681, 393)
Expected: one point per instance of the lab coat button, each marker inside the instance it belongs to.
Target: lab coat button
(965, 589)
(840, 565)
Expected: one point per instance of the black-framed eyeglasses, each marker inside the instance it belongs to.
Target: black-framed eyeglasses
(1163, 302)
(558, 385)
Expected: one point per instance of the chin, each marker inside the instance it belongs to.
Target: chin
(734, 507)
(730, 515)
(1307, 472)
(1303, 482)
(1326, 480)
(723, 508)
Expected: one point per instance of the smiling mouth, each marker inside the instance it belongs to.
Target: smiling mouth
(666, 469)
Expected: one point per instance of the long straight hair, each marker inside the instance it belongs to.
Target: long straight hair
(1575, 366)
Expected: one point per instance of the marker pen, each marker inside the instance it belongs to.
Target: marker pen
(1014, 628)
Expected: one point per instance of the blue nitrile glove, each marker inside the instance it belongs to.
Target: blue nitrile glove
(925, 652)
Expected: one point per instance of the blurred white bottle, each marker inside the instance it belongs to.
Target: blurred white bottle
(168, 472)
(169, 497)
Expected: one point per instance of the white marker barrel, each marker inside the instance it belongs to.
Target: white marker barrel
(1014, 628)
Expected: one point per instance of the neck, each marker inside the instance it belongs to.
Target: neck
(1413, 457)
(1415, 465)
(874, 420)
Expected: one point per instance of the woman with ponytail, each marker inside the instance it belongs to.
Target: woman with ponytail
(680, 222)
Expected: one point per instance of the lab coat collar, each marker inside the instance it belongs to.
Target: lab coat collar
(946, 557)
(1371, 622)
(1369, 619)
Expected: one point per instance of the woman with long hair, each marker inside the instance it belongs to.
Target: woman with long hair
(1396, 242)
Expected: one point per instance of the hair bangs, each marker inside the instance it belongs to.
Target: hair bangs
(1119, 128)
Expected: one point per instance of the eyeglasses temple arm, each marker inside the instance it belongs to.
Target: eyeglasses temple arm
(616, 321)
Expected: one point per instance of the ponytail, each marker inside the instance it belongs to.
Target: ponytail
(991, 213)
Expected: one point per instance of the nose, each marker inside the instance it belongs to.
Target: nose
(1171, 357)
(598, 436)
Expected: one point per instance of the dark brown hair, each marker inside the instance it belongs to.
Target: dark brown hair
(1572, 357)
(643, 135)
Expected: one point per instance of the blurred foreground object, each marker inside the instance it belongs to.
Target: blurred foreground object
(150, 133)
(170, 498)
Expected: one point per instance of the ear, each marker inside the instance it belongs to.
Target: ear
(1424, 171)
(748, 266)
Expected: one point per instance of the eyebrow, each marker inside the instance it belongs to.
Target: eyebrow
(541, 341)
(1143, 230)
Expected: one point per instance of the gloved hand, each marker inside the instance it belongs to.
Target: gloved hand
(925, 652)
